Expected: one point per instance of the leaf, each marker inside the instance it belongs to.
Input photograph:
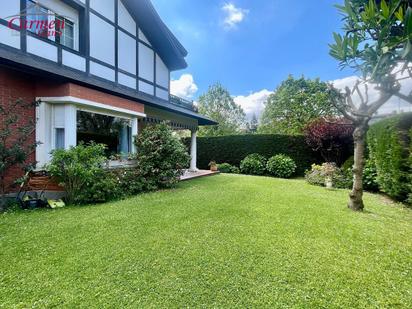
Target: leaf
(341, 8)
(399, 14)
(349, 10)
(406, 50)
(408, 23)
(385, 9)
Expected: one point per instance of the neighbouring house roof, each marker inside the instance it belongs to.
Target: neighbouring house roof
(166, 44)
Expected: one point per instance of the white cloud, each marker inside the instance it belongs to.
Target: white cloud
(393, 105)
(253, 103)
(183, 87)
(234, 15)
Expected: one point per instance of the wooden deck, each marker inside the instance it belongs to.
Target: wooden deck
(200, 173)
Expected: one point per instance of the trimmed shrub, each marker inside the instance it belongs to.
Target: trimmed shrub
(317, 176)
(77, 169)
(348, 164)
(234, 148)
(228, 168)
(389, 144)
(253, 164)
(281, 166)
(409, 200)
(224, 167)
(102, 188)
(314, 176)
(129, 180)
(162, 157)
(369, 174)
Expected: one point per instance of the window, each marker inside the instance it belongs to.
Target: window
(37, 19)
(46, 23)
(64, 32)
(59, 142)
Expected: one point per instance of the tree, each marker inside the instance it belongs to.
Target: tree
(15, 141)
(330, 137)
(217, 104)
(377, 44)
(295, 103)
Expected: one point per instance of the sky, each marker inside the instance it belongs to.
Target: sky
(251, 46)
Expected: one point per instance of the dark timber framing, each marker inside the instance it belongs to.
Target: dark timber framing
(84, 42)
(116, 40)
(20, 59)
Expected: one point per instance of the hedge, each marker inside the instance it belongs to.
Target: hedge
(410, 164)
(390, 148)
(234, 148)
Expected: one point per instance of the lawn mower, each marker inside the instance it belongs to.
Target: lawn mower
(37, 200)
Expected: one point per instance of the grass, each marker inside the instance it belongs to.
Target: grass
(222, 241)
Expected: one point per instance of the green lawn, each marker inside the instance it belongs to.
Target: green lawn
(222, 241)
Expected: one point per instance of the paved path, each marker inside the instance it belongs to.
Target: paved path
(200, 173)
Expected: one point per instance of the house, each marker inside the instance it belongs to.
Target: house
(101, 69)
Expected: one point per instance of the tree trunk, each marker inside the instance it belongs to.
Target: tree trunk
(359, 138)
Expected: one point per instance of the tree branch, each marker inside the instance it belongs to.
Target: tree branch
(403, 97)
(373, 108)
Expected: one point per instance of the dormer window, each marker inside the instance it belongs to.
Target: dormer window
(58, 24)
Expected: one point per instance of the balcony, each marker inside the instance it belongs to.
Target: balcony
(183, 103)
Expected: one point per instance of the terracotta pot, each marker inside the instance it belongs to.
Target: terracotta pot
(213, 168)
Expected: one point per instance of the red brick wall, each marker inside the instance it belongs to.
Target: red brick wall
(69, 89)
(13, 86)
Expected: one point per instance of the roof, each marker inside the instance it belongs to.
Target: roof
(166, 44)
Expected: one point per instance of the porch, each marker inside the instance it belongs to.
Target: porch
(66, 121)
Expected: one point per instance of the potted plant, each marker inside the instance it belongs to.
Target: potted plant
(328, 170)
(213, 166)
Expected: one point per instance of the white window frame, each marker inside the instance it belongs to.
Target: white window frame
(52, 14)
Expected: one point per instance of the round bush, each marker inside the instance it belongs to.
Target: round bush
(253, 164)
(315, 176)
(281, 166)
(225, 168)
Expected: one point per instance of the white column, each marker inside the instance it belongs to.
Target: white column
(70, 125)
(42, 136)
(135, 131)
(193, 151)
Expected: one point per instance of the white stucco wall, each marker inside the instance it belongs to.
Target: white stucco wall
(104, 7)
(102, 71)
(126, 21)
(162, 73)
(42, 49)
(146, 62)
(127, 52)
(102, 42)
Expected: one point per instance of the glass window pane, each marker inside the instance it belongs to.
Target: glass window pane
(37, 19)
(59, 138)
(64, 31)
